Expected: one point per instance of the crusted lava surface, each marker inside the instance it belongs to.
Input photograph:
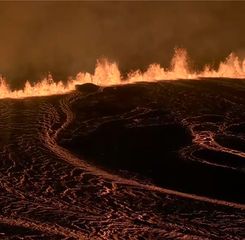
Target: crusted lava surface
(160, 160)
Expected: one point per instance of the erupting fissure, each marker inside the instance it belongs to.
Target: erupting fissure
(107, 73)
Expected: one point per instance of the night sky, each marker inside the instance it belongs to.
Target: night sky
(65, 38)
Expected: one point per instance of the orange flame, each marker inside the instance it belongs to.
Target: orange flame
(107, 73)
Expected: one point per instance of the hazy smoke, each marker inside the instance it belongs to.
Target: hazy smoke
(65, 38)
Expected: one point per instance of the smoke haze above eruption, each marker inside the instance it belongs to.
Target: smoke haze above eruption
(65, 38)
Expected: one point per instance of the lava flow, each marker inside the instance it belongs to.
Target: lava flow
(85, 166)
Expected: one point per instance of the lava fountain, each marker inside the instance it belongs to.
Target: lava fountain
(107, 73)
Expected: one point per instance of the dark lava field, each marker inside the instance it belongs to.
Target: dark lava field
(160, 160)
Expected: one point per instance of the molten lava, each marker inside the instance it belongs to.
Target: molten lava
(107, 73)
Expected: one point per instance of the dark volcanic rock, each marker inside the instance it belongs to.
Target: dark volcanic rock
(87, 88)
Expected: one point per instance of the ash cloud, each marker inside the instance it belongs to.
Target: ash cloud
(65, 38)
